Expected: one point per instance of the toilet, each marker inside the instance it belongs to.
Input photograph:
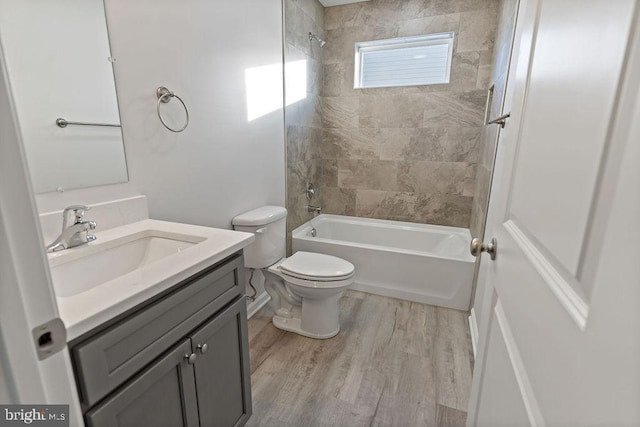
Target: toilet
(306, 287)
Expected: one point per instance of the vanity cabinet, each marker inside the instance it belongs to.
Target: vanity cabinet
(183, 360)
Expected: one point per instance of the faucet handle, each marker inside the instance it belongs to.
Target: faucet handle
(76, 208)
(73, 214)
(92, 225)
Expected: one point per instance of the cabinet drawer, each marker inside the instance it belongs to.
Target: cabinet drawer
(111, 357)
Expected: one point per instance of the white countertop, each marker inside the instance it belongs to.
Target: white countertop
(86, 310)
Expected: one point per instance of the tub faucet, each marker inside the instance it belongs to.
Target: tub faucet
(75, 230)
(314, 209)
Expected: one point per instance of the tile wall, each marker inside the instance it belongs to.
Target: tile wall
(408, 154)
(507, 10)
(303, 117)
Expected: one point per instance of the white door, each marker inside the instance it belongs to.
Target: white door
(560, 337)
(27, 300)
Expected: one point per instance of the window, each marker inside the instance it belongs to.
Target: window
(405, 61)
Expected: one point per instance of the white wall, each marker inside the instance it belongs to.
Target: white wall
(57, 59)
(223, 164)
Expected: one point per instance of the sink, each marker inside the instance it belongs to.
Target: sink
(131, 264)
(118, 257)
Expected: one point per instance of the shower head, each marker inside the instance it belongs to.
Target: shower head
(320, 41)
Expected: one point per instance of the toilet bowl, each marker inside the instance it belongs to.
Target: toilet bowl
(305, 288)
(305, 297)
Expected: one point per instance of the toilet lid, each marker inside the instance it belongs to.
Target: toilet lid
(313, 266)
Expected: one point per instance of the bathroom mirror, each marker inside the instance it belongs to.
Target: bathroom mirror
(59, 64)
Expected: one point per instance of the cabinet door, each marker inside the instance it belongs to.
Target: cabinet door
(222, 375)
(163, 395)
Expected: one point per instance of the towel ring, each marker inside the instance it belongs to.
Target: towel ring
(164, 95)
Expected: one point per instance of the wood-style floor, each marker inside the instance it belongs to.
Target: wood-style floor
(394, 363)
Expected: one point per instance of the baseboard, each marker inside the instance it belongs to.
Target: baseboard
(473, 328)
(257, 304)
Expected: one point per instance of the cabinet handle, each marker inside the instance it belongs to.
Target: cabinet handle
(190, 358)
(203, 348)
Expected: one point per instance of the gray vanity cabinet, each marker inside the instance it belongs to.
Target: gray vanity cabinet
(164, 395)
(181, 361)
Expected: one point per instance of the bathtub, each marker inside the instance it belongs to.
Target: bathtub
(430, 264)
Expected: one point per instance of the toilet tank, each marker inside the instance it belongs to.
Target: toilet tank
(269, 226)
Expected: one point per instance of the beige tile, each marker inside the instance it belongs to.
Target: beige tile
(432, 177)
(313, 8)
(338, 80)
(341, 16)
(329, 175)
(336, 51)
(367, 174)
(443, 144)
(469, 188)
(301, 173)
(340, 112)
(484, 77)
(307, 112)
(315, 76)
(454, 108)
(338, 201)
(429, 25)
(463, 145)
(486, 57)
(488, 142)
(395, 143)
(303, 143)
(464, 71)
(385, 204)
(418, 144)
(350, 143)
(389, 111)
(444, 209)
(482, 186)
(477, 30)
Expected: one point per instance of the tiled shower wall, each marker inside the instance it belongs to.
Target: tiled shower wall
(303, 119)
(505, 27)
(507, 12)
(409, 153)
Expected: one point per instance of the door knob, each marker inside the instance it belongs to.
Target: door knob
(477, 247)
(203, 348)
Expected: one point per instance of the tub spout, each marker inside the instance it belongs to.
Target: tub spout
(314, 209)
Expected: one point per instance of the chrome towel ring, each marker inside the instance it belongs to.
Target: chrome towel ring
(164, 95)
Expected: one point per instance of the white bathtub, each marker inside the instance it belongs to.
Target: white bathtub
(417, 262)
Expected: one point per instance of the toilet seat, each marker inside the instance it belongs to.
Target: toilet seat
(316, 267)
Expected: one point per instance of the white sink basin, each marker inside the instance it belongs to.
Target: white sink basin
(103, 263)
(127, 265)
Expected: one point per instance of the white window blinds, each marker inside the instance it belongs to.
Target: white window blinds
(407, 61)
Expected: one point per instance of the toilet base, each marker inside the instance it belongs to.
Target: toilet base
(293, 325)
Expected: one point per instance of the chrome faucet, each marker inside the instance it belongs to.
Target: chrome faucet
(314, 209)
(75, 230)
